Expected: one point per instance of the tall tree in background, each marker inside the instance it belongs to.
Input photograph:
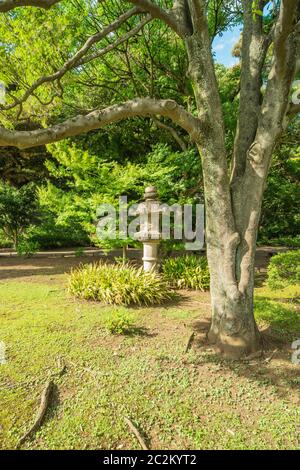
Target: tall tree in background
(233, 190)
(19, 209)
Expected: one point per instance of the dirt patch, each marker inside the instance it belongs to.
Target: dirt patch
(62, 261)
(15, 268)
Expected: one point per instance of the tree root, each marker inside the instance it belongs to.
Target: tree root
(44, 404)
(136, 433)
(189, 343)
(45, 399)
(269, 359)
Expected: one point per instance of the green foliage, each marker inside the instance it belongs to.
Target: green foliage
(92, 180)
(229, 87)
(119, 284)
(101, 179)
(280, 208)
(222, 16)
(177, 175)
(187, 272)
(19, 167)
(119, 322)
(284, 270)
(27, 248)
(60, 225)
(282, 241)
(124, 157)
(19, 209)
(279, 310)
(60, 32)
(51, 234)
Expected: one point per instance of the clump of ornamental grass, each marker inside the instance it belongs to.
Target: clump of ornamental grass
(187, 272)
(118, 284)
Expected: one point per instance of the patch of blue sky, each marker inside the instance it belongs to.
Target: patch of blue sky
(223, 45)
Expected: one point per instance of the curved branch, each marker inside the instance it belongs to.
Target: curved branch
(100, 118)
(284, 65)
(254, 51)
(76, 59)
(7, 5)
(147, 5)
(167, 16)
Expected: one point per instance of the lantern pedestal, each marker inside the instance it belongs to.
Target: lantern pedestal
(150, 255)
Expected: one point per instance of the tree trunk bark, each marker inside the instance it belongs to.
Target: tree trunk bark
(15, 241)
(231, 254)
(232, 223)
(230, 247)
(233, 329)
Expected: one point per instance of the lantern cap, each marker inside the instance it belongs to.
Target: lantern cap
(150, 193)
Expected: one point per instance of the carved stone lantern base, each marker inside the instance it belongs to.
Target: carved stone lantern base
(150, 255)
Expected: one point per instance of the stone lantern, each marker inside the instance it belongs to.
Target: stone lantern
(150, 233)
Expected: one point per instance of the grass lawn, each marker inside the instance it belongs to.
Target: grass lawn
(178, 401)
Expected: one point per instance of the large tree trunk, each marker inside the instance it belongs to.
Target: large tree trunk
(231, 231)
(233, 207)
(233, 328)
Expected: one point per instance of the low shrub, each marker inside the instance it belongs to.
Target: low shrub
(284, 270)
(289, 242)
(27, 248)
(50, 236)
(120, 322)
(119, 284)
(187, 272)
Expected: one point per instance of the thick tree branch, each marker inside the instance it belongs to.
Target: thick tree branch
(248, 190)
(182, 13)
(77, 58)
(202, 73)
(7, 5)
(198, 12)
(147, 5)
(286, 49)
(100, 118)
(254, 49)
(167, 16)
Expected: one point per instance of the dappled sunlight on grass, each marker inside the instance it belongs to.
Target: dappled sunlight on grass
(187, 401)
(279, 309)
